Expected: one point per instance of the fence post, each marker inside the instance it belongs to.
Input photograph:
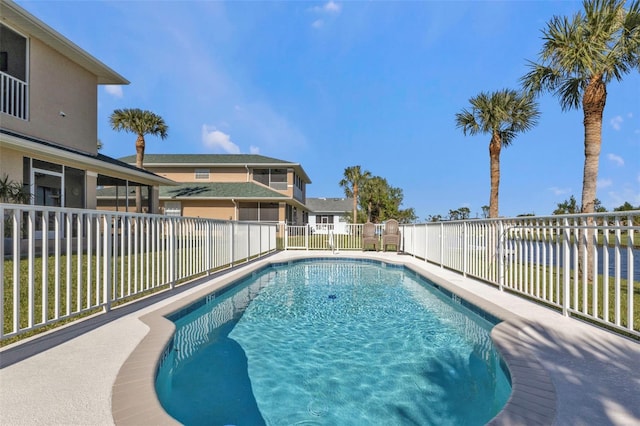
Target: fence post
(107, 258)
(566, 267)
(630, 290)
(465, 248)
(441, 245)
(231, 243)
(286, 235)
(501, 264)
(249, 228)
(173, 255)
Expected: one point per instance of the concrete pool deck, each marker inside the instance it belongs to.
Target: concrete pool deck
(95, 371)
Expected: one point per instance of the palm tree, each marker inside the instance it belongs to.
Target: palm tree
(353, 179)
(141, 123)
(503, 114)
(580, 56)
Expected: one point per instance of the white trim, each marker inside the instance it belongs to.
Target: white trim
(20, 144)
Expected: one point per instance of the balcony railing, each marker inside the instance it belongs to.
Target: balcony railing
(14, 96)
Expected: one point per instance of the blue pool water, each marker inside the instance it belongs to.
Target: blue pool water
(333, 343)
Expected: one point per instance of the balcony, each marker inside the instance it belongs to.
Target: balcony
(14, 96)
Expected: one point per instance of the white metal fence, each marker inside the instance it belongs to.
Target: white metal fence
(584, 265)
(60, 263)
(326, 237)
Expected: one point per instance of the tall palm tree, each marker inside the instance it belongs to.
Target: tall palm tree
(503, 114)
(141, 123)
(580, 56)
(353, 179)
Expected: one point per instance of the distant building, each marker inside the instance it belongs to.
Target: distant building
(223, 186)
(329, 213)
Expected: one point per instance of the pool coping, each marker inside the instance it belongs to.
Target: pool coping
(532, 401)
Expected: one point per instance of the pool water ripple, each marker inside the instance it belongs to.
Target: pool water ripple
(386, 348)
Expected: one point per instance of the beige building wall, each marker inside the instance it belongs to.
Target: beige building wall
(188, 174)
(57, 84)
(11, 164)
(230, 174)
(209, 209)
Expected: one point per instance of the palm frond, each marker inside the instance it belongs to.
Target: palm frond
(504, 112)
(135, 120)
(602, 41)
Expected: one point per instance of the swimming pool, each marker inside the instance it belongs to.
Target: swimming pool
(332, 342)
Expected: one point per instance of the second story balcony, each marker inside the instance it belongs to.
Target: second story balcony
(14, 93)
(14, 96)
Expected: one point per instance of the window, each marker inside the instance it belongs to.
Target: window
(261, 176)
(13, 65)
(14, 53)
(74, 188)
(202, 174)
(248, 211)
(53, 184)
(274, 178)
(269, 212)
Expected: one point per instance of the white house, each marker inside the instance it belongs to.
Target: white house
(329, 213)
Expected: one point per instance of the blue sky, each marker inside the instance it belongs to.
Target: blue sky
(336, 84)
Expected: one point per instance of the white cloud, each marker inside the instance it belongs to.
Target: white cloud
(218, 141)
(616, 122)
(559, 191)
(616, 159)
(254, 150)
(114, 90)
(332, 7)
(604, 183)
(329, 7)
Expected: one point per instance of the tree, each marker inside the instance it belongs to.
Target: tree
(434, 218)
(580, 56)
(382, 201)
(569, 206)
(374, 197)
(141, 123)
(502, 114)
(627, 206)
(353, 179)
(459, 214)
(485, 212)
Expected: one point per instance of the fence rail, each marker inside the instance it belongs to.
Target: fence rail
(61, 263)
(585, 265)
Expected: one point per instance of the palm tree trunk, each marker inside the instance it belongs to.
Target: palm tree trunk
(494, 154)
(593, 102)
(139, 164)
(355, 203)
